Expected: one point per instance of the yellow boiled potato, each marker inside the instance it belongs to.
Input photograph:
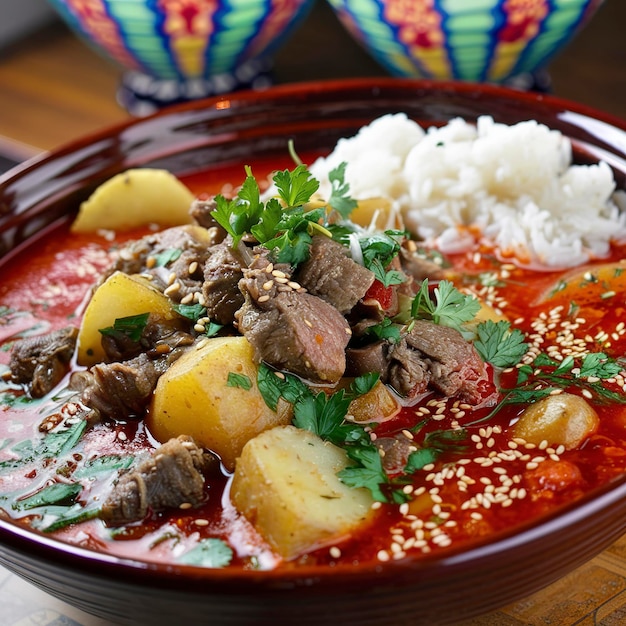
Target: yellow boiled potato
(380, 208)
(564, 419)
(120, 295)
(135, 198)
(194, 398)
(592, 284)
(286, 485)
(378, 405)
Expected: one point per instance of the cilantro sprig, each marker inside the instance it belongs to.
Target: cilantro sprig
(285, 223)
(340, 200)
(379, 250)
(211, 553)
(450, 307)
(592, 369)
(131, 326)
(546, 376)
(500, 345)
(325, 415)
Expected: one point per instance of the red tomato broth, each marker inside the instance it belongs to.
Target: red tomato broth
(66, 266)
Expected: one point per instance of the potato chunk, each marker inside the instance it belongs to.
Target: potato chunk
(564, 419)
(286, 485)
(120, 295)
(197, 397)
(378, 405)
(135, 198)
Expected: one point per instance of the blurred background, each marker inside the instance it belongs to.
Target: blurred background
(54, 88)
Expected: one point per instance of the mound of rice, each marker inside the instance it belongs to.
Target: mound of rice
(512, 187)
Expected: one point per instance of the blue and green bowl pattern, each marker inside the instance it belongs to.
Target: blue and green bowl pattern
(189, 47)
(474, 40)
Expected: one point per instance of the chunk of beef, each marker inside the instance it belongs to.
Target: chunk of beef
(455, 366)
(407, 370)
(332, 275)
(222, 272)
(122, 390)
(395, 452)
(173, 476)
(119, 390)
(159, 337)
(429, 357)
(41, 362)
(173, 258)
(370, 358)
(200, 213)
(291, 329)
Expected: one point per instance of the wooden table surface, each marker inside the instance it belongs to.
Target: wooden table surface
(53, 89)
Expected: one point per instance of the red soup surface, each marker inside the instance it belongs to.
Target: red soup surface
(478, 476)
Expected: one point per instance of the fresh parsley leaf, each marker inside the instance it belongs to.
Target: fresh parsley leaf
(274, 385)
(190, 311)
(449, 308)
(434, 445)
(497, 344)
(339, 199)
(364, 384)
(238, 215)
(546, 376)
(212, 328)
(250, 194)
(386, 330)
(269, 222)
(295, 188)
(227, 214)
(104, 464)
(292, 247)
(239, 380)
(368, 473)
(420, 458)
(598, 364)
(131, 326)
(56, 493)
(213, 553)
(167, 256)
(386, 277)
(323, 415)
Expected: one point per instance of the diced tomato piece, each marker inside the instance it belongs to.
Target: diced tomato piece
(384, 295)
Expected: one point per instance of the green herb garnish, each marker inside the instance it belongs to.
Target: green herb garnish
(340, 199)
(167, 256)
(238, 380)
(449, 308)
(213, 553)
(284, 224)
(131, 326)
(325, 415)
(386, 330)
(57, 493)
(498, 344)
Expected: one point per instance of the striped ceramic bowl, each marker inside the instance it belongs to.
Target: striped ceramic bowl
(475, 40)
(177, 50)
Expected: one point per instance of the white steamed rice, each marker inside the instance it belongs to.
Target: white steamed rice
(513, 187)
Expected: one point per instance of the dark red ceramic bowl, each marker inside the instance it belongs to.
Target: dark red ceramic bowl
(426, 590)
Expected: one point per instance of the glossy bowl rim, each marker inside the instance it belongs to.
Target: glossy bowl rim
(35, 544)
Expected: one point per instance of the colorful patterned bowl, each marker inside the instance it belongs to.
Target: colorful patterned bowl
(178, 50)
(475, 40)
